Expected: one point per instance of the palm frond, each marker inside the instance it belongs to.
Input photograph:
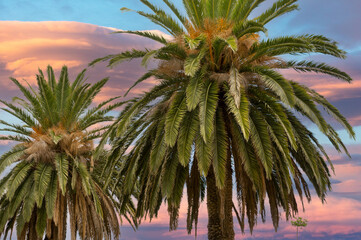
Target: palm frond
(207, 109)
(18, 175)
(278, 8)
(51, 194)
(277, 83)
(62, 165)
(187, 133)
(261, 141)
(241, 113)
(114, 59)
(310, 66)
(248, 27)
(146, 34)
(11, 156)
(174, 117)
(220, 147)
(42, 175)
(176, 12)
(194, 91)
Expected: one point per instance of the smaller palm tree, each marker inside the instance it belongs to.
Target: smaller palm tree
(299, 223)
(54, 173)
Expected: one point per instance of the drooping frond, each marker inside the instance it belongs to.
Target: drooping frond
(207, 109)
(309, 66)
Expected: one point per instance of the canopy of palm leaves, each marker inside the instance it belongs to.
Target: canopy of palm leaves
(53, 173)
(220, 107)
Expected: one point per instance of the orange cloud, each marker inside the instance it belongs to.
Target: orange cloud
(27, 46)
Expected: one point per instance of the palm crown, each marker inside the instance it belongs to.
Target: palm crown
(221, 107)
(55, 173)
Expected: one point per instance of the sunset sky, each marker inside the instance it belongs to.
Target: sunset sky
(34, 34)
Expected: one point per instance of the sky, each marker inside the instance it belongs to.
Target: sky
(34, 34)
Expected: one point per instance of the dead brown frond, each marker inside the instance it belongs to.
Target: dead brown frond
(46, 145)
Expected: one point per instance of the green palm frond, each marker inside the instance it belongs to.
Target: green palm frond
(162, 17)
(309, 66)
(174, 118)
(207, 109)
(277, 83)
(51, 194)
(248, 27)
(332, 110)
(118, 58)
(42, 175)
(62, 165)
(194, 11)
(204, 155)
(220, 149)
(194, 91)
(15, 128)
(11, 156)
(41, 221)
(241, 113)
(176, 12)
(243, 9)
(159, 148)
(146, 34)
(305, 104)
(187, 132)
(261, 140)
(19, 174)
(193, 63)
(278, 8)
(225, 8)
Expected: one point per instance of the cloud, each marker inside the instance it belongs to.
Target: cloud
(27, 46)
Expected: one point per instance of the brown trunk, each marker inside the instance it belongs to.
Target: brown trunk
(220, 207)
(213, 207)
(227, 224)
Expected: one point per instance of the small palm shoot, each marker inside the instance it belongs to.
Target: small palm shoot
(299, 223)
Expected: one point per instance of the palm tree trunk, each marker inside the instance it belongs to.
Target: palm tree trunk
(227, 224)
(220, 207)
(219, 202)
(213, 207)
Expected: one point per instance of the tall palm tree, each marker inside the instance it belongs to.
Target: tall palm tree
(53, 174)
(222, 113)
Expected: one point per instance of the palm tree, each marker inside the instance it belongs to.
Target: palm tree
(54, 174)
(222, 113)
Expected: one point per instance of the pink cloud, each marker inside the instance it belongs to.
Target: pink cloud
(356, 120)
(4, 142)
(332, 88)
(27, 46)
